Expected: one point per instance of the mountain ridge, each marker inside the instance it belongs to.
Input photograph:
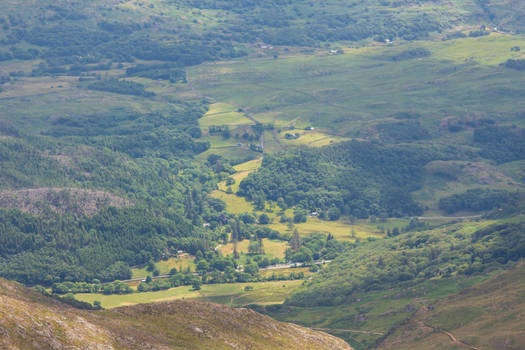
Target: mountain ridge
(29, 320)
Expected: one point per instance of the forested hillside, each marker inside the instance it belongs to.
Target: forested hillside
(413, 258)
(355, 178)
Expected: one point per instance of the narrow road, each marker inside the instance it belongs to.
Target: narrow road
(290, 265)
(448, 217)
(250, 116)
(346, 330)
(142, 279)
(452, 337)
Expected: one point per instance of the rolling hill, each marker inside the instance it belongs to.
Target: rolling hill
(490, 315)
(29, 320)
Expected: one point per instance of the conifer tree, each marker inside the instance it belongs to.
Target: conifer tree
(295, 242)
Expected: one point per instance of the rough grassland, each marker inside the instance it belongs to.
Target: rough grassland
(30, 321)
(374, 313)
(351, 92)
(489, 316)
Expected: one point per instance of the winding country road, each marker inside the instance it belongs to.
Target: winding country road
(451, 337)
(448, 217)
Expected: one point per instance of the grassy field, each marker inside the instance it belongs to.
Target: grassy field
(164, 266)
(249, 166)
(308, 138)
(35, 101)
(243, 170)
(272, 248)
(234, 203)
(232, 294)
(341, 229)
(221, 114)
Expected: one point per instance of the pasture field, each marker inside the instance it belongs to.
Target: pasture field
(341, 229)
(488, 50)
(272, 248)
(217, 141)
(234, 203)
(243, 170)
(249, 166)
(221, 114)
(232, 294)
(308, 138)
(164, 266)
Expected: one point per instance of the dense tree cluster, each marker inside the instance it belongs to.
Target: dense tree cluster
(316, 246)
(58, 248)
(125, 87)
(357, 178)
(501, 143)
(171, 72)
(475, 200)
(146, 159)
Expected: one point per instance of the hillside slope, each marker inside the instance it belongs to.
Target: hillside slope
(31, 321)
(490, 315)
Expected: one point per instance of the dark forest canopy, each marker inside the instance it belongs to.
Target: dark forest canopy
(358, 178)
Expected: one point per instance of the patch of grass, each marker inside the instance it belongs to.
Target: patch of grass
(341, 229)
(234, 203)
(486, 50)
(217, 141)
(445, 178)
(221, 114)
(164, 266)
(308, 138)
(249, 166)
(272, 248)
(232, 294)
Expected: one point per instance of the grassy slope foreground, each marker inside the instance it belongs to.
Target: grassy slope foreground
(36, 322)
(490, 315)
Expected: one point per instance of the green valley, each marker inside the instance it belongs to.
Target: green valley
(352, 167)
